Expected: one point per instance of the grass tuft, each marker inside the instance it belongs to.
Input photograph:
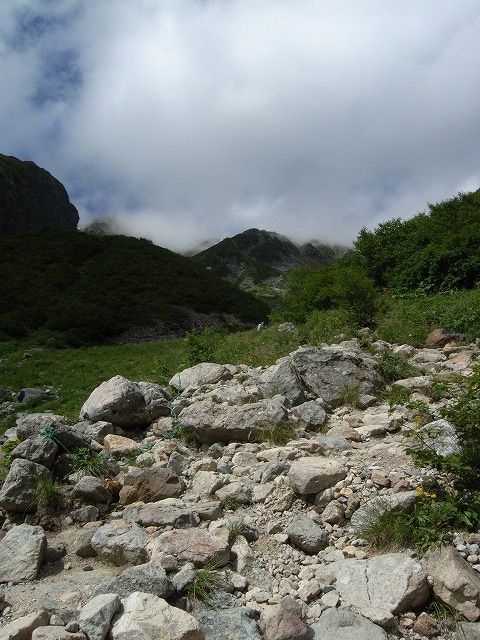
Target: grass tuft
(278, 434)
(204, 585)
(88, 462)
(48, 496)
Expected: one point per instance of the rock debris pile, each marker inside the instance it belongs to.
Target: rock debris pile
(234, 535)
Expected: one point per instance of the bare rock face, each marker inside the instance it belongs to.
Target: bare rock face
(21, 553)
(284, 621)
(329, 370)
(120, 543)
(32, 199)
(193, 545)
(150, 485)
(96, 615)
(454, 581)
(18, 491)
(342, 624)
(125, 403)
(200, 374)
(211, 422)
(146, 617)
(282, 379)
(312, 475)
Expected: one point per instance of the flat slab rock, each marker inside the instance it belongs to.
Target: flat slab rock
(193, 545)
(236, 623)
(146, 617)
(343, 624)
(380, 587)
(21, 553)
(311, 475)
(120, 543)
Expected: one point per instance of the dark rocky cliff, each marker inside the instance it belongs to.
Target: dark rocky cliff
(32, 199)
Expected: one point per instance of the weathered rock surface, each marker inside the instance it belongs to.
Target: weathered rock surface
(56, 632)
(96, 615)
(38, 449)
(162, 513)
(18, 491)
(343, 624)
(150, 485)
(146, 617)
(282, 379)
(211, 422)
(236, 623)
(193, 545)
(284, 621)
(120, 543)
(381, 586)
(33, 424)
(307, 535)
(91, 489)
(148, 578)
(312, 475)
(311, 413)
(125, 403)
(328, 371)
(21, 553)
(454, 581)
(22, 628)
(199, 375)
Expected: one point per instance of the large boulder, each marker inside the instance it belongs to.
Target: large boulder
(199, 375)
(380, 587)
(34, 424)
(96, 615)
(312, 475)
(282, 379)
(18, 490)
(120, 543)
(22, 628)
(150, 484)
(343, 624)
(192, 545)
(37, 449)
(211, 422)
(146, 617)
(328, 371)
(125, 403)
(454, 581)
(21, 553)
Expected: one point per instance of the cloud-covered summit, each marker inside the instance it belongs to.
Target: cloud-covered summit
(187, 119)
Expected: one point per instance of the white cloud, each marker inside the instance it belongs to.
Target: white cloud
(199, 119)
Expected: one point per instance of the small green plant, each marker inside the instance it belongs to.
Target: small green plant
(351, 395)
(6, 457)
(392, 366)
(278, 434)
(201, 345)
(236, 529)
(203, 586)
(395, 396)
(231, 504)
(88, 462)
(48, 496)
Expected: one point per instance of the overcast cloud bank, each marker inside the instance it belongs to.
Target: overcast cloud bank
(188, 119)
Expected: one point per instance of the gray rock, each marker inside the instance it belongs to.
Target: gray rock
(237, 623)
(96, 615)
(239, 492)
(183, 578)
(212, 422)
(193, 545)
(148, 578)
(284, 621)
(54, 551)
(125, 403)
(342, 624)
(150, 485)
(269, 471)
(56, 633)
(93, 490)
(32, 393)
(379, 587)
(312, 475)
(22, 628)
(38, 449)
(96, 431)
(18, 490)
(146, 617)
(469, 630)
(327, 371)
(305, 534)
(161, 514)
(454, 581)
(120, 543)
(199, 375)
(377, 506)
(440, 436)
(21, 553)
(82, 545)
(311, 413)
(282, 379)
(32, 424)
(85, 514)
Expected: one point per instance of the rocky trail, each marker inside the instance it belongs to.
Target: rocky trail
(234, 535)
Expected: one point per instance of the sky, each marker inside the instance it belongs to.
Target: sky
(186, 120)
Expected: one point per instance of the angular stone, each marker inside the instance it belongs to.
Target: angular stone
(305, 534)
(92, 489)
(160, 514)
(150, 485)
(440, 436)
(56, 633)
(125, 403)
(239, 492)
(22, 628)
(454, 581)
(212, 422)
(343, 624)
(282, 379)
(311, 413)
(379, 587)
(327, 371)
(148, 578)
(96, 615)
(193, 545)
(21, 553)
(37, 449)
(236, 623)
(199, 375)
(120, 446)
(146, 617)
(312, 475)
(469, 630)
(18, 490)
(284, 621)
(33, 424)
(120, 543)
(244, 556)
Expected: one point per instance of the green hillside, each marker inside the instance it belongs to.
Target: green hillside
(84, 289)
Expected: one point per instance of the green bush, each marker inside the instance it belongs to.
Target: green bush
(201, 345)
(392, 366)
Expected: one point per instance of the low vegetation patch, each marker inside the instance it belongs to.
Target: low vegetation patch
(278, 434)
(392, 366)
(49, 497)
(204, 585)
(88, 462)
